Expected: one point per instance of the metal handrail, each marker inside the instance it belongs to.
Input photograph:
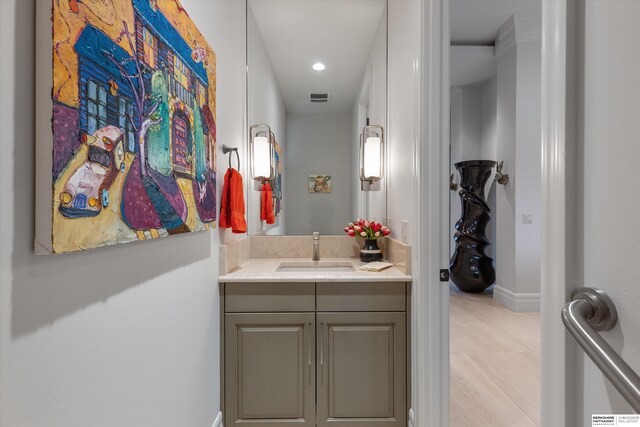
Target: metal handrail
(590, 311)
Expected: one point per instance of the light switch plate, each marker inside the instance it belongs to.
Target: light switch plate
(527, 218)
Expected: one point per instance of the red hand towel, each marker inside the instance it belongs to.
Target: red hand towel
(266, 204)
(232, 205)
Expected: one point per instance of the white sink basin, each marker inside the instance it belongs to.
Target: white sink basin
(314, 266)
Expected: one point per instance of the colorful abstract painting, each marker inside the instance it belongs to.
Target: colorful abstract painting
(277, 181)
(134, 123)
(319, 183)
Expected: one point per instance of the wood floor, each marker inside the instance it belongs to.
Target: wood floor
(495, 364)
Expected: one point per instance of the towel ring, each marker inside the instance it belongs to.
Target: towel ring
(226, 149)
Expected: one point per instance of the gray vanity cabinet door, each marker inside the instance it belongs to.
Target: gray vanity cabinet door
(270, 369)
(361, 369)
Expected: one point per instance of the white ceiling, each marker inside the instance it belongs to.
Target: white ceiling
(474, 29)
(478, 21)
(299, 33)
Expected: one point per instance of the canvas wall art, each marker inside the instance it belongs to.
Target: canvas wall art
(277, 181)
(319, 183)
(132, 124)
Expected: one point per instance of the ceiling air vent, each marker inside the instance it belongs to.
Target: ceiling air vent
(318, 97)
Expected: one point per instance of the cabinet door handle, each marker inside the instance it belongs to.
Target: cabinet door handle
(309, 350)
(321, 353)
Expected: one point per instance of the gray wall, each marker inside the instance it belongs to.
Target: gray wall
(318, 144)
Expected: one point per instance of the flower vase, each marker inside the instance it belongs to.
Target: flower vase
(370, 251)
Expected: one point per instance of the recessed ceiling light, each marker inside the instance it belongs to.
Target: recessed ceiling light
(318, 66)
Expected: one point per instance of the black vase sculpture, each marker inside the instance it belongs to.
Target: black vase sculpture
(471, 269)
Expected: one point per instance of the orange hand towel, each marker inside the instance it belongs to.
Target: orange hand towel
(266, 204)
(232, 205)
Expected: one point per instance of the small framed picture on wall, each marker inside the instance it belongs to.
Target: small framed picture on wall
(320, 183)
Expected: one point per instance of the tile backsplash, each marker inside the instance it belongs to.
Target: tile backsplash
(236, 252)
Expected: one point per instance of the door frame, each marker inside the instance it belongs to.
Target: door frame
(558, 240)
(430, 302)
(430, 311)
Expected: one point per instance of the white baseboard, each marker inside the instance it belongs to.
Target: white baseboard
(218, 421)
(520, 302)
(412, 418)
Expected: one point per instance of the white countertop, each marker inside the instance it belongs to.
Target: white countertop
(265, 270)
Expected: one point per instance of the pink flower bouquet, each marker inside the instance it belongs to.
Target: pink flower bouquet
(366, 229)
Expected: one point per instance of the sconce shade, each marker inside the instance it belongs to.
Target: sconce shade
(261, 151)
(371, 157)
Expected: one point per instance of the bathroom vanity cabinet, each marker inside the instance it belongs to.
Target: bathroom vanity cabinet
(315, 354)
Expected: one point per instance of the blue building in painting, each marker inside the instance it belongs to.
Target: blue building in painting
(106, 97)
(160, 47)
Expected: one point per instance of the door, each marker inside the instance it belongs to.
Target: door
(590, 139)
(180, 134)
(270, 369)
(361, 369)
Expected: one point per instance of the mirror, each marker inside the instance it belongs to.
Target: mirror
(316, 75)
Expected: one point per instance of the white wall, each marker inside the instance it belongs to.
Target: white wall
(318, 144)
(609, 125)
(373, 95)
(358, 199)
(489, 119)
(377, 200)
(489, 130)
(527, 176)
(403, 136)
(518, 144)
(403, 112)
(265, 106)
(505, 214)
(125, 335)
(466, 123)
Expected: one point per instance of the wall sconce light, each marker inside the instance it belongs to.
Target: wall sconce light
(501, 178)
(371, 158)
(453, 185)
(261, 152)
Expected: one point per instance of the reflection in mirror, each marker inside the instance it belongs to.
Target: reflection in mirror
(317, 75)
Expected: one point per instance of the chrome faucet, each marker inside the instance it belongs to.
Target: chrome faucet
(316, 246)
